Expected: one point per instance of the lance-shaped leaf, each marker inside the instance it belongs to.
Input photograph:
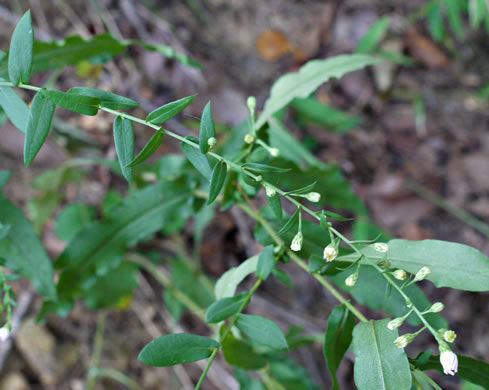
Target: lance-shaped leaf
(124, 144)
(207, 128)
(379, 364)
(276, 205)
(107, 99)
(225, 308)
(20, 54)
(148, 149)
(176, 349)
(217, 180)
(38, 126)
(229, 281)
(374, 36)
(169, 110)
(301, 84)
(23, 251)
(266, 262)
(292, 222)
(15, 108)
(240, 354)
(302, 190)
(337, 339)
(196, 157)
(262, 331)
(82, 104)
(263, 168)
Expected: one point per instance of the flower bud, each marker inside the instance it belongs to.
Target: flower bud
(422, 274)
(449, 362)
(400, 274)
(395, 323)
(296, 245)
(330, 253)
(351, 280)
(270, 191)
(404, 340)
(4, 334)
(437, 307)
(211, 142)
(249, 139)
(259, 178)
(313, 197)
(449, 336)
(274, 152)
(380, 247)
(251, 102)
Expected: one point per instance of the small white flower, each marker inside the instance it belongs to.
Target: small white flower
(251, 103)
(296, 245)
(449, 361)
(211, 142)
(380, 247)
(313, 197)
(4, 334)
(270, 191)
(330, 253)
(449, 336)
(437, 307)
(400, 274)
(274, 152)
(395, 323)
(351, 280)
(249, 139)
(404, 340)
(422, 274)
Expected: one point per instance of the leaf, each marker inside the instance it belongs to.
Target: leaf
(379, 364)
(302, 190)
(435, 21)
(169, 110)
(176, 349)
(263, 168)
(276, 205)
(374, 36)
(82, 104)
(454, 16)
(282, 276)
(337, 339)
(225, 308)
(2, 55)
(294, 220)
(148, 149)
(266, 262)
(301, 84)
(107, 99)
(198, 159)
(20, 54)
(23, 250)
(73, 219)
(240, 354)
(4, 178)
(207, 128)
(217, 180)
(168, 52)
(124, 144)
(262, 331)
(452, 265)
(477, 12)
(38, 126)
(15, 108)
(229, 281)
(334, 216)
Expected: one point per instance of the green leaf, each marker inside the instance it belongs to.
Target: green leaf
(207, 128)
(82, 104)
(198, 159)
(196, 288)
(292, 222)
(217, 180)
(23, 250)
(477, 12)
(38, 126)
(107, 99)
(168, 52)
(421, 381)
(452, 265)
(148, 149)
(169, 110)
(282, 276)
(301, 84)
(379, 364)
(15, 108)
(4, 178)
(262, 331)
(124, 144)
(240, 354)
(229, 281)
(263, 168)
(454, 16)
(276, 205)
(20, 54)
(176, 349)
(435, 21)
(225, 308)
(337, 339)
(374, 36)
(2, 55)
(266, 262)
(334, 216)
(302, 190)
(73, 219)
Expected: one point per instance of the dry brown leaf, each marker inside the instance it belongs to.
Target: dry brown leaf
(425, 51)
(272, 45)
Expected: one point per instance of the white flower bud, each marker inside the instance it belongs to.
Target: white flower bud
(400, 274)
(249, 139)
(296, 245)
(404, 340)
(380, 247)
(4, 334)
(211, 142)
(449, 336)
(351, 280)
(251, 102)
(330, 253)
(422, 274)
(313, 197)
(437, 307)
(395, 323)
(449, 361)
(270, 191)
(150, 177)
(274, 152)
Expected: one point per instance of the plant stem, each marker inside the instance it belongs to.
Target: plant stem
(97, 349)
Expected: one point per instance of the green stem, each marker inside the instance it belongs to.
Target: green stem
(97, 349)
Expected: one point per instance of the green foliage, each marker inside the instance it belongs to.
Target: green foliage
(207, 128)
(240, 354)
(229, 281)
(225, 308)
(74, 218)
(198, 159)
(169, 110)
(124, 144)
(20, 56)
(262, 331)
(151, 146)
(15, 108)
(85, 105)
(266, 262)
(106, 99)
(379, 364)
(374, 36)
(218, 177)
